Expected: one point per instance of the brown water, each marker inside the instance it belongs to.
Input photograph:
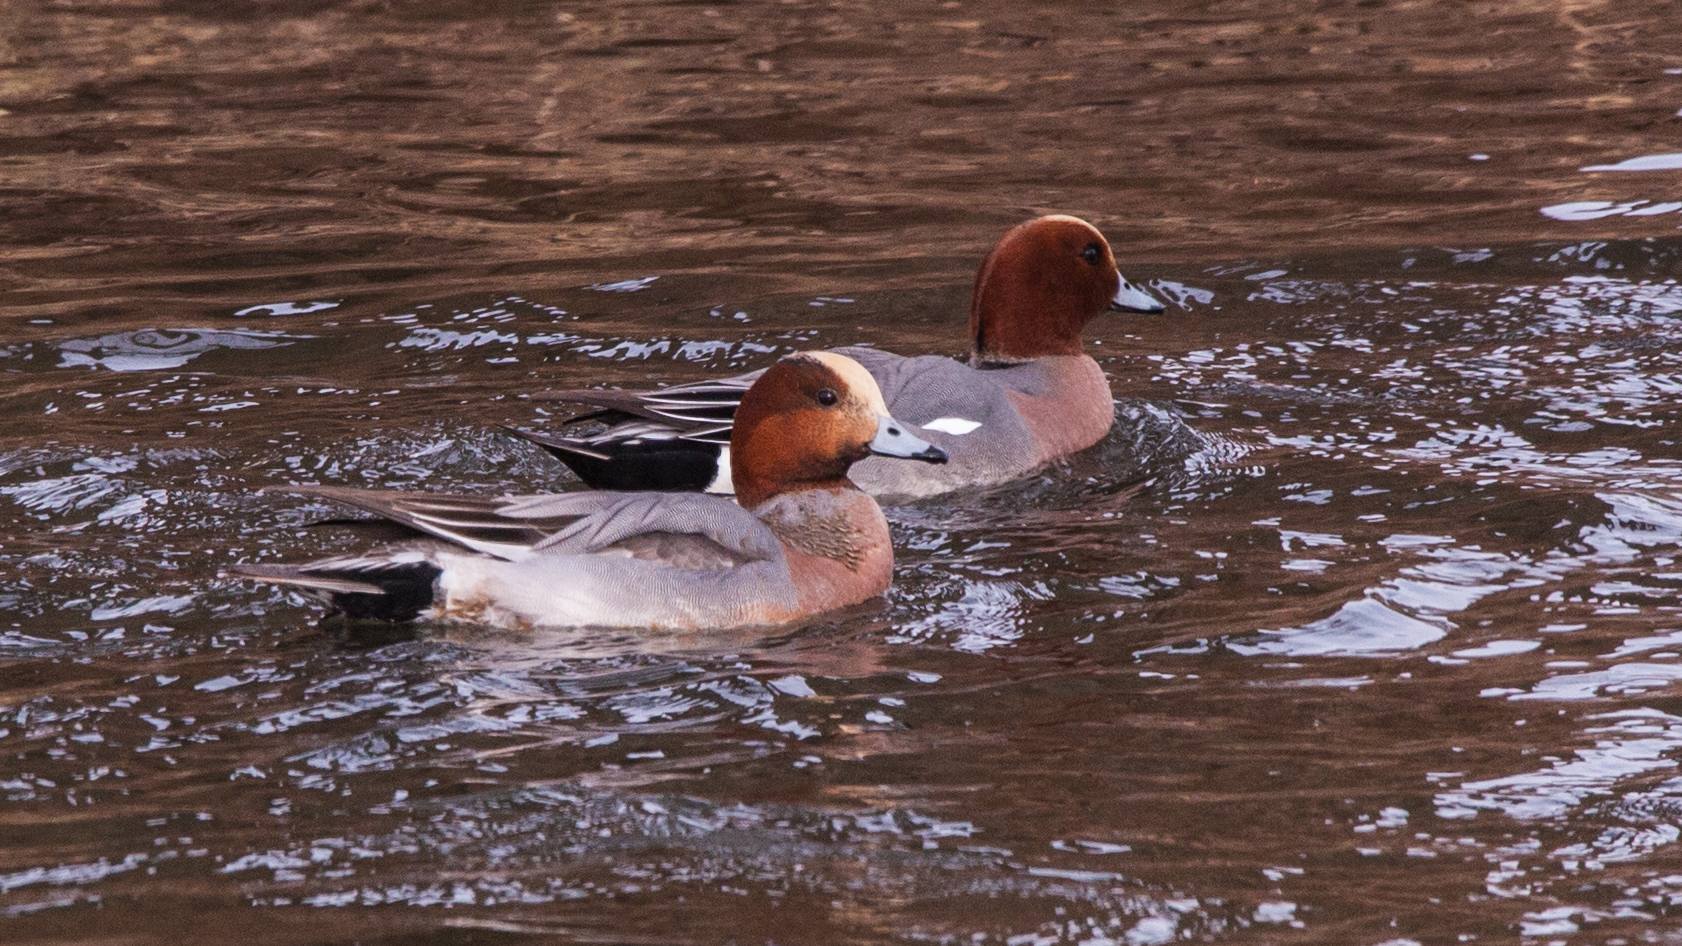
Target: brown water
(1387, 652)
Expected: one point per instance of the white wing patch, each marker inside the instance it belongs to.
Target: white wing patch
(957, 426)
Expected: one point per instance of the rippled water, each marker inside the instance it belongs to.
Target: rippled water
(1361, 627)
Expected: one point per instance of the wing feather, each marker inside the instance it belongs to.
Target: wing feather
(468, 521)
(709, 403)
(515, 528)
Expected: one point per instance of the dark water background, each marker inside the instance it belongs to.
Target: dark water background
(1388, 652)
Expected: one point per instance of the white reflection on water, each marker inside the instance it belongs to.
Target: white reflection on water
(62, 493)
(569, 842)
(1636, 520)
(1363, 627)
(1581, 354)
(1182, 295)
(1647, 162)
(627, 285)
(1630, 679)
(68, 874)
(1403, 613)
(435, 331)
(287, 308)
(1637, 645)
(1501, 648)
(441, 339)
(1596, 209)
(1635, 741)
(988, 615)
(157, 349)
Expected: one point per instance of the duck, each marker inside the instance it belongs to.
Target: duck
(1029, 394)
(798, 539)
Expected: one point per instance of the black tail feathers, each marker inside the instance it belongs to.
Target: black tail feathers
(360, 589)
(665, 466)
(405, 591)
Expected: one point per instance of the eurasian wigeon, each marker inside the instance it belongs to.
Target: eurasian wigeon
(799, 539)
(1029, 394)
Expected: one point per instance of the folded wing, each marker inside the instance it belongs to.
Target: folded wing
(681, 530)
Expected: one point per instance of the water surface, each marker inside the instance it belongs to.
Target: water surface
(1385, 648)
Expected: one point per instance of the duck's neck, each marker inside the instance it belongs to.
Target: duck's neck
(1007, 326)
(754, 491)
(981, 362)
(988, 350)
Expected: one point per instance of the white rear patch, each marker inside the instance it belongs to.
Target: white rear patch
(952, 425)
(721, 483)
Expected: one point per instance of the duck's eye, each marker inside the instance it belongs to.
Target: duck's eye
(827, 397)
(1092, 254)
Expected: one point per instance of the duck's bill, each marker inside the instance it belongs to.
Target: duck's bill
(894, 439)
(1130, 298)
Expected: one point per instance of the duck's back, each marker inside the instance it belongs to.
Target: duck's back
(633, 560)
(995, 424)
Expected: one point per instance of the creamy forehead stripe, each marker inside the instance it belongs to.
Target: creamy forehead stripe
(855, 377)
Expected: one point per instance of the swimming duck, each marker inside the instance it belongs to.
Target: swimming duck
(799, 539)
(1029, 394)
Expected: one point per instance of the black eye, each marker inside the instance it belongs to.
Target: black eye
(827, 398)
(1092, 254)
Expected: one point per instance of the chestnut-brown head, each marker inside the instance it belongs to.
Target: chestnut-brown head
(1040, 285)
(806, 420)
